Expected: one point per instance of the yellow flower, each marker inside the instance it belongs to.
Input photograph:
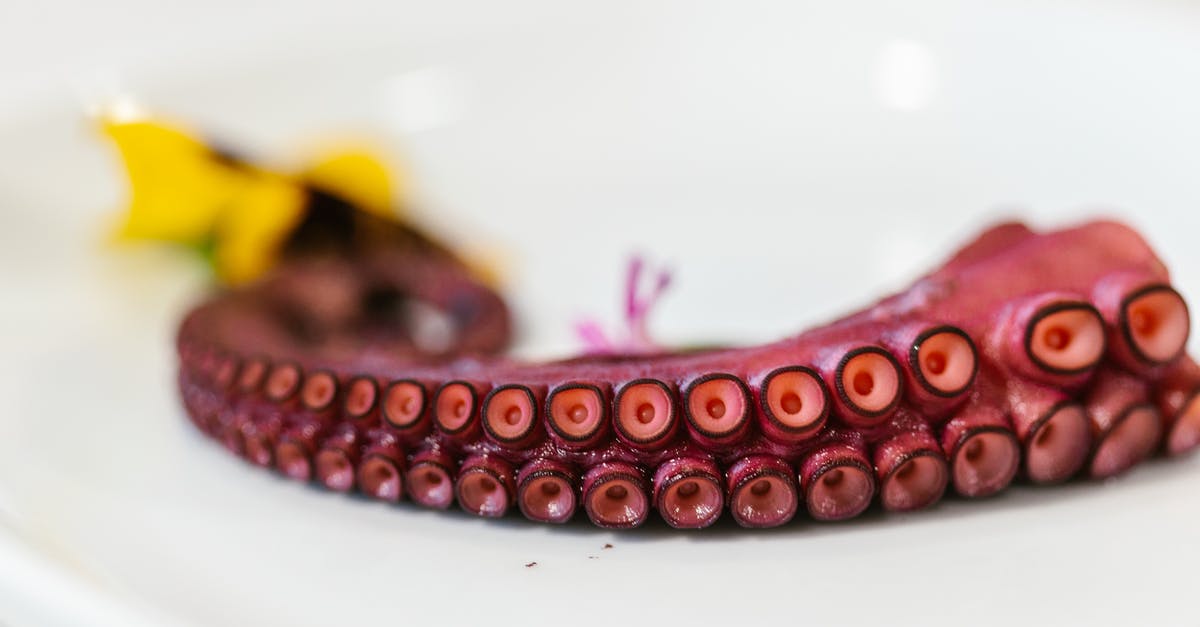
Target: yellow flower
(184, 192)
(249, 233)
(178, 189)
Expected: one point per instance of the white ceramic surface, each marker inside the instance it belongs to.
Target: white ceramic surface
(788, 161)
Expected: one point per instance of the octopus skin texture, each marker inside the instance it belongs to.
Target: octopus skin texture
(1041, 356)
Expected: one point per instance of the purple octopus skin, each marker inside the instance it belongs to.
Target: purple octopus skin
(1039, 356)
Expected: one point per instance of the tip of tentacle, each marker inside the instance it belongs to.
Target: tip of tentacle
(916, 483)
(985, 463)
(1132, 440)
(1058, 447)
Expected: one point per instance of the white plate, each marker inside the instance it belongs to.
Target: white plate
(788, 163)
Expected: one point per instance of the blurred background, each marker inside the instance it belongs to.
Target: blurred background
(787, 161)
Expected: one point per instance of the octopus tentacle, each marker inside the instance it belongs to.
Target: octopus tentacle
(1007, 361)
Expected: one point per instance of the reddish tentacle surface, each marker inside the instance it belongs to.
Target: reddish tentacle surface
(1030, 356)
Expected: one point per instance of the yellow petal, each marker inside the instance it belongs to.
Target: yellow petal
(178, 187)
(359, 177)
(250, 234)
